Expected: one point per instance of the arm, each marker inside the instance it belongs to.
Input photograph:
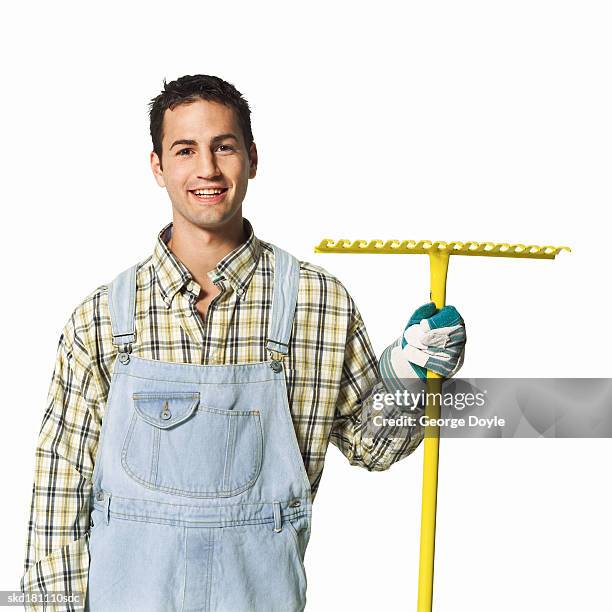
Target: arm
(57, 556)
(366, 446)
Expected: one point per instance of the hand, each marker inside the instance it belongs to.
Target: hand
(432, 340)
(435, 340)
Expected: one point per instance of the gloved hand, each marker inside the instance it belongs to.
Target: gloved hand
(432, 340)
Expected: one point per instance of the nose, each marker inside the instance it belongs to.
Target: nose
(207, 166)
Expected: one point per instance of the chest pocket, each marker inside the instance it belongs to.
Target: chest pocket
(175, 444)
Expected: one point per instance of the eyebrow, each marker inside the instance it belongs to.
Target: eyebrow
(193, 143)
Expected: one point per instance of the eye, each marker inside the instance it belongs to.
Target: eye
(226, 148)
(182, 151)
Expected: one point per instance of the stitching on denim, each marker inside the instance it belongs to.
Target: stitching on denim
(185, 557)
(155, 457)
(228, 450)
(258, 503)
(228, 412)
(144, 395)
(184, 523)
(199, 382)
(204, 365)
(196, 494)
(128, 437)
(209, 568)
(184, 493)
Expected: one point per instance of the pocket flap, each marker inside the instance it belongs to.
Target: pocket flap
(166, 409)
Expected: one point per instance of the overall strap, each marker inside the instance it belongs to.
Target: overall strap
(122, 306)
(286, 281)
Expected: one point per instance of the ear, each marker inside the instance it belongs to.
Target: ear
(156, 167)
(253, 159)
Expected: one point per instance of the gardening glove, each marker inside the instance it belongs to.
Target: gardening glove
(432, 340)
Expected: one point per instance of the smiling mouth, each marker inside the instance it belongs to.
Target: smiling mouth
(208, 194)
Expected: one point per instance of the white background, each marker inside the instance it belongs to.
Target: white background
(439, 120)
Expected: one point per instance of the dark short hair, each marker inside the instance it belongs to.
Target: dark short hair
(190, 88)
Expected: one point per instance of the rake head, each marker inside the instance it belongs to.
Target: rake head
(429, 247)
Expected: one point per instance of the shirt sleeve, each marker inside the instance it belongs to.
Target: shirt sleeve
(57, 555)
(355, 431)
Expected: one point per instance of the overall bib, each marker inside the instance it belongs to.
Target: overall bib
(200, 498)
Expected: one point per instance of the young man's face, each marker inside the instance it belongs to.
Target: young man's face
(203, 148)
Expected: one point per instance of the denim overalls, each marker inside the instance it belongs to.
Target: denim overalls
(200, 499)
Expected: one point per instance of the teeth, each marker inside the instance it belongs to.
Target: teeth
(208, 191)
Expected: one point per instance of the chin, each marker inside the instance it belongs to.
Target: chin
(206, 217)
(211, 219)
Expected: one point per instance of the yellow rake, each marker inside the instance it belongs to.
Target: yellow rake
(439, 253)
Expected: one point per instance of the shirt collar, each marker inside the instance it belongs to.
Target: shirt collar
(237, 266)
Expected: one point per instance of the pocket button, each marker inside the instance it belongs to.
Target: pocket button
(166, 414)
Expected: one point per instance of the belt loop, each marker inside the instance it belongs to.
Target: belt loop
(278, 525)
(107, 508)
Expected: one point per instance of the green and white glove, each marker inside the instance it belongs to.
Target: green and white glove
(432, 340)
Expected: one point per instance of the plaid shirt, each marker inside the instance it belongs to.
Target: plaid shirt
(331, 374)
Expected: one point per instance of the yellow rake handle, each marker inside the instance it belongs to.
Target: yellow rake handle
(438, 268)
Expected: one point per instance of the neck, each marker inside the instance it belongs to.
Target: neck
(201, 249)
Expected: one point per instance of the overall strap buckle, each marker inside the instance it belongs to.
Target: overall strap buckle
(122, 310)
(124, 352)
(277, 355)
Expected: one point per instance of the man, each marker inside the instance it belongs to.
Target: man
(193, 398)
